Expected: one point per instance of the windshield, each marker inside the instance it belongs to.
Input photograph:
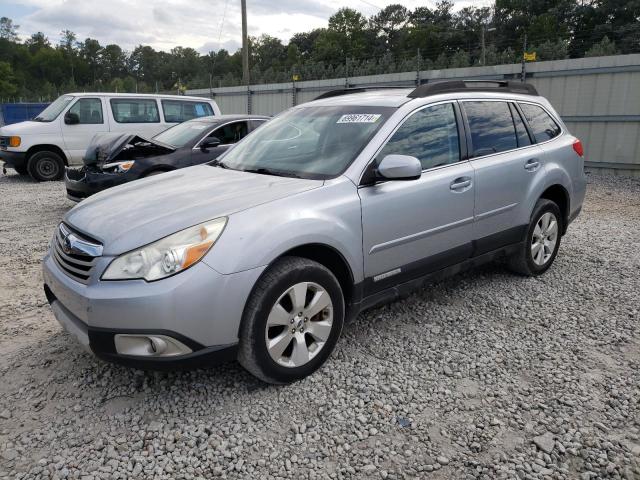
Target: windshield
(181, 134)
(308, 142)
(52, 111)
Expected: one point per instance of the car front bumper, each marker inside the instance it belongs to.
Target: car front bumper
(199, 308)
(13, 159)
(81, 183)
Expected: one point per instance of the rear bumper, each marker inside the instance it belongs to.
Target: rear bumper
(13, 159)
(81, 184)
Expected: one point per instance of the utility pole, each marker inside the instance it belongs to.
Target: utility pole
(484, 48)
(523, 76)
(245, 44)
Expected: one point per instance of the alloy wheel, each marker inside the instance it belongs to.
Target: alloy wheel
(299, 324)
(545, 238)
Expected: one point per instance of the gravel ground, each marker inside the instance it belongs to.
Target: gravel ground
(485, 375)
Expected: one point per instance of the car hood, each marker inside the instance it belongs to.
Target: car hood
(140, 212)
(30, 127)
(109, 147)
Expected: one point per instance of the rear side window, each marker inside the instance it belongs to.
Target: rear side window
(542, 125)
(230, 133)
(521, 130)
(491, 125)
(89, 110)
(176, 111)
(430, 135)
(135, 110)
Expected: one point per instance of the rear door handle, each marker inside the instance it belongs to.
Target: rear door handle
(460, 184)
(532, 164)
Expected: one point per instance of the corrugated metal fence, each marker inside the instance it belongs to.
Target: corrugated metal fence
(598, 98)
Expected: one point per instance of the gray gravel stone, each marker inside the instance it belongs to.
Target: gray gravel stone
(453, 382)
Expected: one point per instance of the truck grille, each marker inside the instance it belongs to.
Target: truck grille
(75, 255)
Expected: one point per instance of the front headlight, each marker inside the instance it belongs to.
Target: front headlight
(168, 256)
(118, 167)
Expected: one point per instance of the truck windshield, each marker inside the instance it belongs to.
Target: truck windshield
(183, 133)
(308, 142)
(52, 111)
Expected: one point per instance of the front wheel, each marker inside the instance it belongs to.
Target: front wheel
(292, 321)
(542, 242)
(45, 166)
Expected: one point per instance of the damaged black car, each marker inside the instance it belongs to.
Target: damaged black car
(116, 158)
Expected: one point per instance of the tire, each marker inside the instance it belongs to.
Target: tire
(531, 260)
(21, 170)
(45, 166)
(274, 296)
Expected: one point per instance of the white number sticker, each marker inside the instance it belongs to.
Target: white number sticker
(359, 118)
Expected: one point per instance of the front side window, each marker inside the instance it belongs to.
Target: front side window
(491, 125)
(542, 125)
(309, 142)
(230, 133)
(135, 110)
(176, 111)
(89, 110)
(52, 111)
(430, 135)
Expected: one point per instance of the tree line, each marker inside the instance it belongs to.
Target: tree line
(394, 39)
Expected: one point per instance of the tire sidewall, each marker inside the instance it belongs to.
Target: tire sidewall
(257, 324)
(541, 208)
(35, 161)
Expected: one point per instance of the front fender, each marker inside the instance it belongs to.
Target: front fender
(255, 237)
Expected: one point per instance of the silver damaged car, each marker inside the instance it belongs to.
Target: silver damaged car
(332, 207)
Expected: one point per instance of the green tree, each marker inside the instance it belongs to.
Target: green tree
(7, 80)
(603, 48)
(8, 31)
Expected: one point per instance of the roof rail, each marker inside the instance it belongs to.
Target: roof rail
(447, 86)
(347, 91)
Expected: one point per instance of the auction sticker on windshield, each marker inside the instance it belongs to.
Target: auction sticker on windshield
(359, 118)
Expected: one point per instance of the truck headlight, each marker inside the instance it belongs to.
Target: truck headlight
(167, 256)
(14, 141)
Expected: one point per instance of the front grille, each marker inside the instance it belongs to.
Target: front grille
(71, 259)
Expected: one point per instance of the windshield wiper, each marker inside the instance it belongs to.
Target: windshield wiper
(268, 171)
(38, 119)
(219, 163)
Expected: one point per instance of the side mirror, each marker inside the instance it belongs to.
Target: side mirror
(71, 118)
(400, 167)
(210, 142)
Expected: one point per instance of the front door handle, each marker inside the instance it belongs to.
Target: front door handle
(532, 164)
(460, 184)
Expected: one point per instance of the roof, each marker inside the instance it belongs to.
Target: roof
(389, 97)
(228, 118)
(385, 96)
(137, 95)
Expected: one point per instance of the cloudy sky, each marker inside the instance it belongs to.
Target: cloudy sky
(199, 24)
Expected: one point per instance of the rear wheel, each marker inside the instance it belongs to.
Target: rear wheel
(292, 321)
(45, 166)
(542, 242)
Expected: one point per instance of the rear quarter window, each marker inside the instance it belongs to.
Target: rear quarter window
(543, 126)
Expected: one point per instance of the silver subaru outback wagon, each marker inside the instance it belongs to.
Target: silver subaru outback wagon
(330, 208)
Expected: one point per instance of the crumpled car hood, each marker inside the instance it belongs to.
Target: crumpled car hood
(143, 211)
(105, 147)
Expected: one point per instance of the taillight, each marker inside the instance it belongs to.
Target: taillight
(577, 146)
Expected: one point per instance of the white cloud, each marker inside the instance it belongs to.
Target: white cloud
(164, 24)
